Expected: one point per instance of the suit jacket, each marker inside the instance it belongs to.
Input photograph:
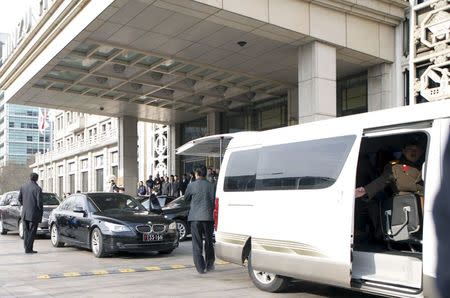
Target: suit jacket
(201, 195)
(30, 196)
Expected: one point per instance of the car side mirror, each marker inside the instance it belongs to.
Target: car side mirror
(79, 209)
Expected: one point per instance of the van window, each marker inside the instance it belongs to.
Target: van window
(241, 171)
(302, 165)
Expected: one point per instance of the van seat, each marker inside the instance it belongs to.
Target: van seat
(401, 218)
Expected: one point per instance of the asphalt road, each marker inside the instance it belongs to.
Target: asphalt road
(73, 272)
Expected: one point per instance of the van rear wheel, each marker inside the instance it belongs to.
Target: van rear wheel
(266, 281)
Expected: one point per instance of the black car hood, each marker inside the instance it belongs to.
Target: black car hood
(130, 217)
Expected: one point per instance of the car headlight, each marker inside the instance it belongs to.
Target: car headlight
(116, 228)
(173, 226)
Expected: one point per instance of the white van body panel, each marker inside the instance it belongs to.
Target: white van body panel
(309, 231)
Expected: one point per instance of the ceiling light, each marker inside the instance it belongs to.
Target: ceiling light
(118, 68)
(168, 63)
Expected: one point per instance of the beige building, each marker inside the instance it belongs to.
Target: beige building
(215, 66)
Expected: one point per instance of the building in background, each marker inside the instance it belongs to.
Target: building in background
(202, 67)
(20, 137)
(85, 154)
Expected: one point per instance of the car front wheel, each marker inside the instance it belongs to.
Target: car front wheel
(3, 231)
(266, 281)
(182, 229)
(97, 243)
(54, 236)
(20, 229)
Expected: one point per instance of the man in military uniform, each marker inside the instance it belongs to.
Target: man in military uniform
(403, 176)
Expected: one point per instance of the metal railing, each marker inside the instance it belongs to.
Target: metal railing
(78, 147)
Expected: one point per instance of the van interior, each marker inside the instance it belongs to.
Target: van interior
(387, 242)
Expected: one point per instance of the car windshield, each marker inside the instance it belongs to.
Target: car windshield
(180, 201)
(50, 199)
(116, 202)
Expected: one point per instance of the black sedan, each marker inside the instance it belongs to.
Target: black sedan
(10, 213)
(178, 210)
(108, 223)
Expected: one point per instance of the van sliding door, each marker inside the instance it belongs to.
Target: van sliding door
(305, 191)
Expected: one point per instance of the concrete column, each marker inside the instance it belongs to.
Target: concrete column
(380, 87)
(128, 168)
(213, 128)
(316, 82)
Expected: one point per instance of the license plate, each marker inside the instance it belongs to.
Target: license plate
(147, 237)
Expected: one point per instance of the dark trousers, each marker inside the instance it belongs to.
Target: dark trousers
(29, 233)
(200, 230)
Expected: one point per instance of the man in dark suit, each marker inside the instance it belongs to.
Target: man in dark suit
(201, 195)
(441, 214)
(30, 196)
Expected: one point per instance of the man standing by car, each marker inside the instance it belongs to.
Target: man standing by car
(201, 195)
(30, 196)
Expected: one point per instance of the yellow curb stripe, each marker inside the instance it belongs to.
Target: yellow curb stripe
(100, 272)
(127, 270)
(177, 266)
(45, 276)
(71, 274)
(152, 268)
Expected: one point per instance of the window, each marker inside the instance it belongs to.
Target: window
(11, 124)
(99, 179)
(61, 170)
(72, 167)
(303, 165)
(84, 182)
(115, 171)
(114, 157)
(29, 139)
(61, 186)
(352, 95)
(84, 164)
(41, 139)
(406, 37)
(99, 161)
(72, 183)
(241, 171)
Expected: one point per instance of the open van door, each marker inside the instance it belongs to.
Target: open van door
(209, 146)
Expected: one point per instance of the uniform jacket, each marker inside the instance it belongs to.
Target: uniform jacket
(174, 189)
(201, 195)
(165, 188)
(30, 196)
(402, 176)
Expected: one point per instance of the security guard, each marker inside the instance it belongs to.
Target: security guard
(403, 176)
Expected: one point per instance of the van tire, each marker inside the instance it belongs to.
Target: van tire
(266, 281)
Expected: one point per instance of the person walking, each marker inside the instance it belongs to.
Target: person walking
(201, 195)
(30, 197)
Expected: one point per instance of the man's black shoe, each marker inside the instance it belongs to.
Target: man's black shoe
(31, 252)
(210, 268)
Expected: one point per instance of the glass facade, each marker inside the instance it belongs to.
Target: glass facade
(20, 137)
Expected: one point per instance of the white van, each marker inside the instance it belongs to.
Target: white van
(286, 202)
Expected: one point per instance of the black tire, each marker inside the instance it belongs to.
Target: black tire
(272, 283)
(166, 252)
(3, 231)
(54, 236)
(97, 243)
(20, 227)
(182, 228)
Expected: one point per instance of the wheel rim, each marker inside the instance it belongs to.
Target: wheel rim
(264, 277)
(182, 229)
(20, 229)
(54, 235)
(95, 242)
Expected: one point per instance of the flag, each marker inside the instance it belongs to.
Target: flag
(43, 120)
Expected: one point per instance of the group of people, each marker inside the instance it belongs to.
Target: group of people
(172, 185)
